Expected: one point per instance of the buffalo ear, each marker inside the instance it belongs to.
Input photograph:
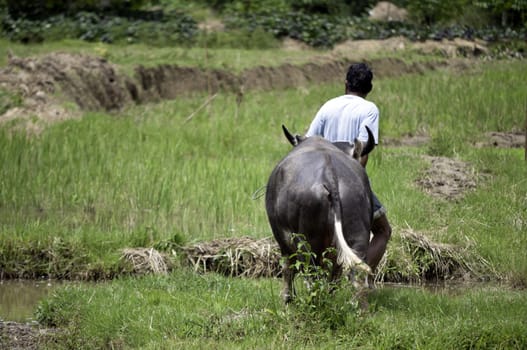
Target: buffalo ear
(294, 140)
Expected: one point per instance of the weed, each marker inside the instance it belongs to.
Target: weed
(325, 299)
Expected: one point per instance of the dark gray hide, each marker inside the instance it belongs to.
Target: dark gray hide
(320, 191)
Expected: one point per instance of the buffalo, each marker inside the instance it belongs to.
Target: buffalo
(319, 192)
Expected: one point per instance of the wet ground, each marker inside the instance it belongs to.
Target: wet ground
(18, 302)
(19, 298)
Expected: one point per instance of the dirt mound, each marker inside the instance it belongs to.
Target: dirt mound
(447, 48)
(45, 83)
(503, 140)
(452, 48)
(290, 44)
(170, 81)
(447, 178)
(91, 82)
(366, 47)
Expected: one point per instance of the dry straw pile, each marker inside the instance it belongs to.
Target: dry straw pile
(411, 258)
(415, 258)
(146, 260)
(242, 256)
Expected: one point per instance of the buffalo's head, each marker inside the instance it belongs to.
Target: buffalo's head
(357, 149)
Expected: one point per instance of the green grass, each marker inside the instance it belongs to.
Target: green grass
(456, 106)
(83, 189)
(192, 311)
(129, 56)
(105, 182)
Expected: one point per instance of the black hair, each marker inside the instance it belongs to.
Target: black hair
(358, 78)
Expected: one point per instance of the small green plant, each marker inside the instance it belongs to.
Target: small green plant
(440, 145)
(318, 277)
(328, 300)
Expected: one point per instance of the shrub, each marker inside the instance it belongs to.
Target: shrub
(315, 30)
(256, 39)
(253, 25)
(173, 28)
(41, 9)
(434, 11)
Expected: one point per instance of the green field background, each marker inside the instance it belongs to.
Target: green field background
(172, 172)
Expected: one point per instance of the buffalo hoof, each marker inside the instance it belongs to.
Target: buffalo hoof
(287, 298)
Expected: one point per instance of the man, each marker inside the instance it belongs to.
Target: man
(343, 119)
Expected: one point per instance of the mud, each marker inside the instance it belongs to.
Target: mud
(27, 336)
(447, 178)
(504, 140)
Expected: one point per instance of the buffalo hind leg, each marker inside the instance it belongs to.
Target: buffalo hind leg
(382, 232)
(288, 274)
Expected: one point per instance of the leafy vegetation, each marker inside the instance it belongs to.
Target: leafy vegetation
(39, 9)
(319, 24)
(321, 300)
(170, 29)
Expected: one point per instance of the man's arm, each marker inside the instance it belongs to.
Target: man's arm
(317, 126)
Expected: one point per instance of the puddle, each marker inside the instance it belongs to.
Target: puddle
(19, 298)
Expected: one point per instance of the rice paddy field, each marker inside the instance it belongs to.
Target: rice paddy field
(179, 172)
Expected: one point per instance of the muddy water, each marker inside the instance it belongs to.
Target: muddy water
(19, 299)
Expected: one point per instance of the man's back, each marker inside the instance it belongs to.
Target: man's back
(343, 119)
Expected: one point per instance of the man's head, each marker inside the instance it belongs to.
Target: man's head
(358, 79)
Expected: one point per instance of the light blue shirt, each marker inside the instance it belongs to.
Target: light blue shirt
(344, 118)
